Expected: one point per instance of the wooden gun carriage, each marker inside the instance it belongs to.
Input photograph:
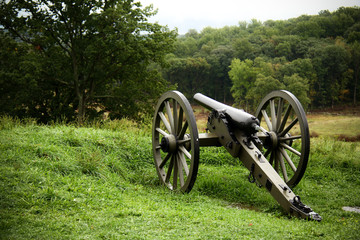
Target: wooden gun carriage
(276, 154)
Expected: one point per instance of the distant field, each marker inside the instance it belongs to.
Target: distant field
(334, 125)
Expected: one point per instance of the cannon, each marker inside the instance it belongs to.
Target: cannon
(273, 144)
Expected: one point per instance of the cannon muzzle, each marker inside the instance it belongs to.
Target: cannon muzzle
(238, 117)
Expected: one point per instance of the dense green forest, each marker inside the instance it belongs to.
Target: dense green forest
(79, 59)
(315, 57)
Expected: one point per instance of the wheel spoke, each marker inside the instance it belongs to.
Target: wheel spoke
(284, 139)
(287, 129)
(262, 136)
(180, 121)
(286, 156)
(181, 173)
(290, 149)
(271, 160)
(176, 119)
(276, 161)
(263, 130)
(168, 174)
(267, 153)
(170, 115)
(273, 114)
(165, 121)
(184, 141)
(267, 120)
(162, 132)
(282, 165)
(183, 130)
(162, 164)
(184, 164)
(286, 115)
(279, 111)
(186, 152)
(175, 178)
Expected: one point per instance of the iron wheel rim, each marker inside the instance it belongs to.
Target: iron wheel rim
(176, 166)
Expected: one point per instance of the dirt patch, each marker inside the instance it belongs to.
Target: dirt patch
(351, 209)
(346, 138)
(243, 206)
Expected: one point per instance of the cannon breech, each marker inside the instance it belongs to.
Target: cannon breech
(238, 117)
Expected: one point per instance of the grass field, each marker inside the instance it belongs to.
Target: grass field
(334, 125)
(99, 182)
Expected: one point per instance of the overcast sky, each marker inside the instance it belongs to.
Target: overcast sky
(197, 14)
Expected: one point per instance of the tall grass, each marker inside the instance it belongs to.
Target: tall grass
(98, 182)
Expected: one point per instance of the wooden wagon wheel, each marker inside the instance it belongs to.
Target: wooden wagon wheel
(285, 135)
(175, 141)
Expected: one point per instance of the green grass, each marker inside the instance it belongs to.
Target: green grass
(67, 182)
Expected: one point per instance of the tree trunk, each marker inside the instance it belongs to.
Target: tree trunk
(356, 82)
(79, 93)
(81, 109)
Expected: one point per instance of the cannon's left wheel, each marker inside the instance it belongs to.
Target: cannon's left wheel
(286, 138)
(175, 142)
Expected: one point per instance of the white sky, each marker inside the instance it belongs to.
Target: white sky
(197, 14)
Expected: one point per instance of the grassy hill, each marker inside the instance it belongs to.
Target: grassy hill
(99, 182)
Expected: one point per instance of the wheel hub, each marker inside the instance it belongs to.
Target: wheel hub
(271, 141)
(168, 143)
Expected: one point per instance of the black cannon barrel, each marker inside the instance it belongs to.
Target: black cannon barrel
(239, 117)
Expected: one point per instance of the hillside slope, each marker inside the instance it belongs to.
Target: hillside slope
(65, 182)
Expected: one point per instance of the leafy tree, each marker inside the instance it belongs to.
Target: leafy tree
(299, 87)
(254, 24)
(301, 66)
(206, 49)
(243, 75)
(220, 83)
(189, 74)
(353, 33)
(192, 33)
(23, 89)
(308, 28)
(264, 67)
(330, 63)
(92, 52)
(355, 55)
(262, 86)
(283, 49)
(243, 49)
(185, 47)
(268, 49)
(211, 34)
(304, 69)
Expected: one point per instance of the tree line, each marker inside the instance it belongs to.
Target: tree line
(316, 57)
(75, 60)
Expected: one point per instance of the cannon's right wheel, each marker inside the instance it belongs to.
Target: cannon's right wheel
(286, 138)
(175, 141)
